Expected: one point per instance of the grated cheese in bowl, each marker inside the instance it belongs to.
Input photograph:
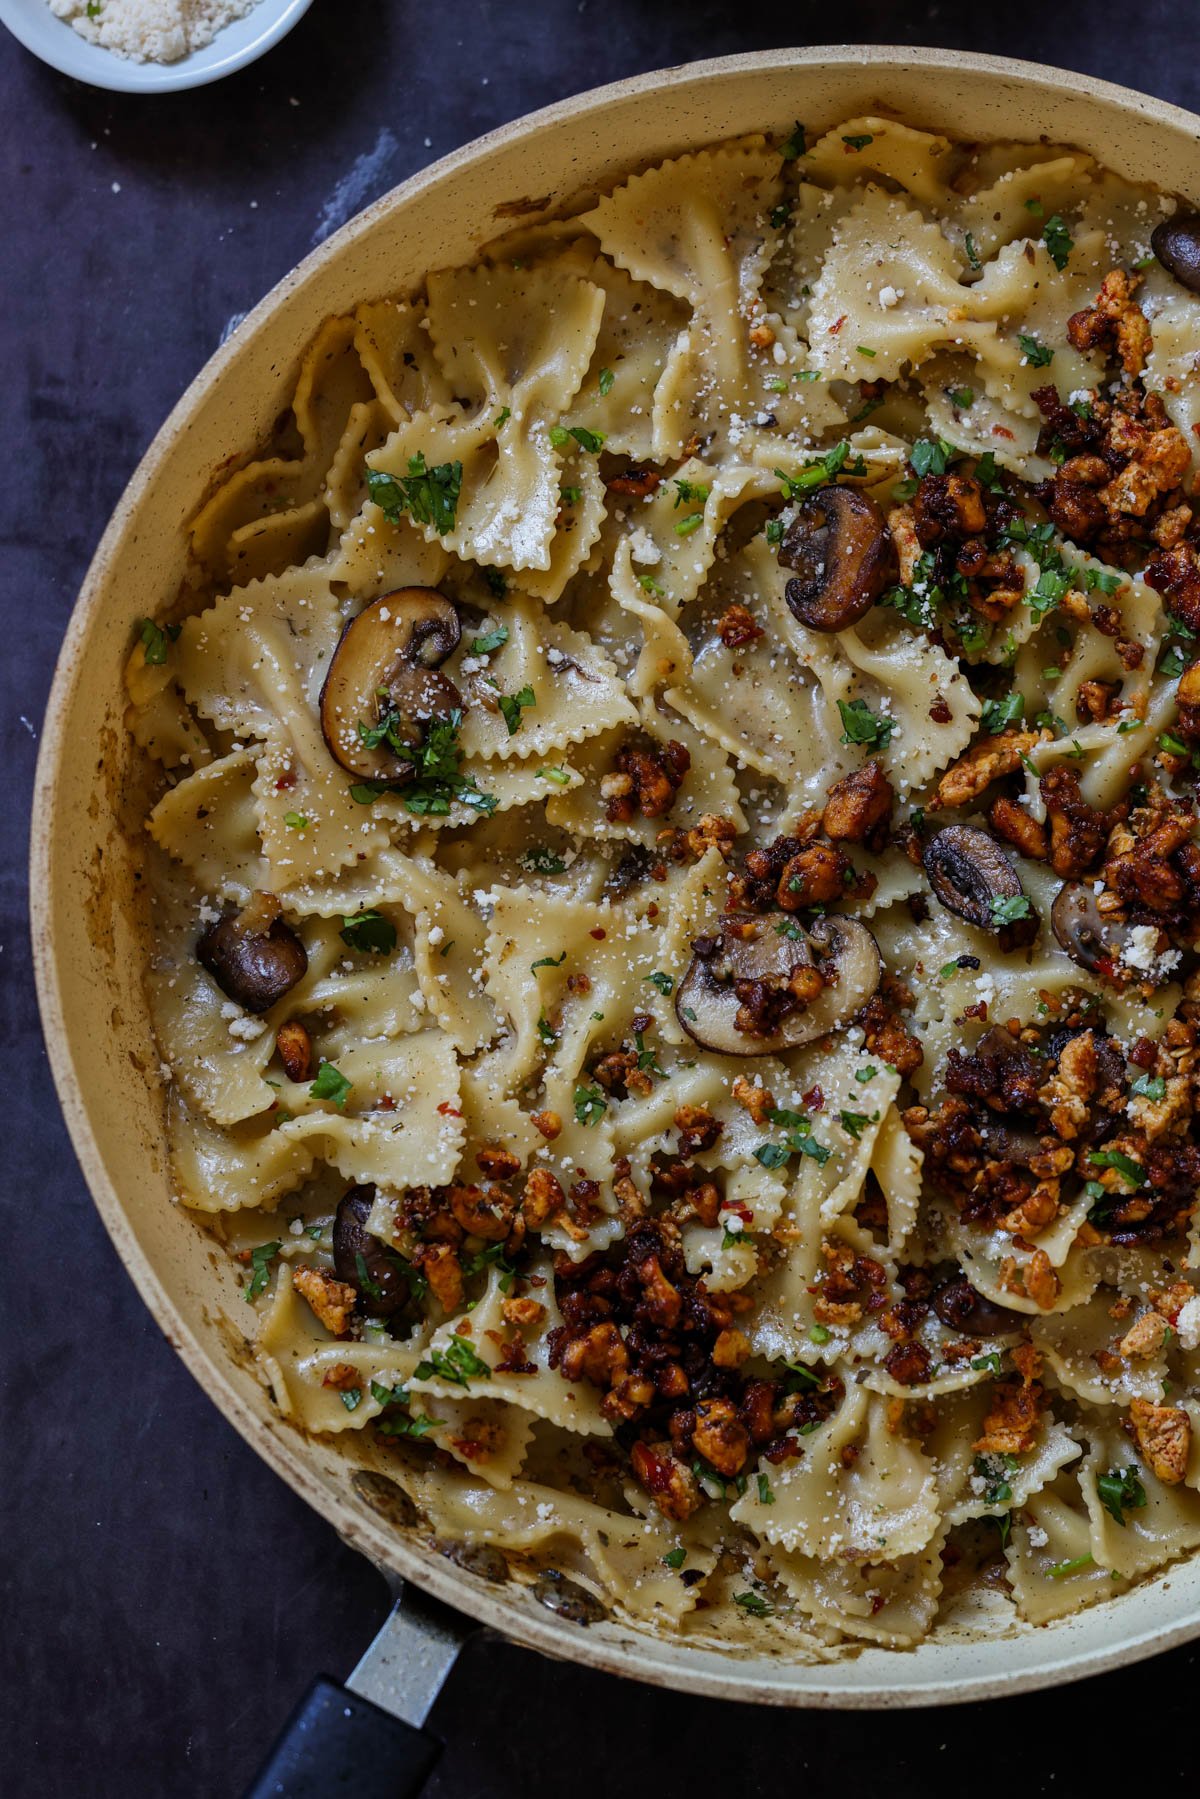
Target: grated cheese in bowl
(150, 30)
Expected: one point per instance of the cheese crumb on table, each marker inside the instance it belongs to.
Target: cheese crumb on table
(150, 30)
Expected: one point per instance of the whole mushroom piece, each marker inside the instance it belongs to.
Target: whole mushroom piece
(1176, 243)
(973, 878)
(383, 686)
(764, 984)
(253, 955)
(842, 551)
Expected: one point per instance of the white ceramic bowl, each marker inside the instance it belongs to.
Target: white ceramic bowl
(57, 43)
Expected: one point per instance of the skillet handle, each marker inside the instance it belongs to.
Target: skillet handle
(337, 1743)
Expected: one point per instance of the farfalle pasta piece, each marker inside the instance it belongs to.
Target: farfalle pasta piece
(876, 1506)
(697, 227)
(888, 294)
(272, 513)
(514, 345)
(921, 162)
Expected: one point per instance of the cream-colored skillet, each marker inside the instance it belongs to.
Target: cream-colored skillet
(85, 860)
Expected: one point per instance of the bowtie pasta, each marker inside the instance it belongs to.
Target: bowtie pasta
(676, 889)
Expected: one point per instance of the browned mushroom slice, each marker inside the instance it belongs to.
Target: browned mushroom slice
(252, 955)
(1176, 243)
(962, 1308)
(765, 984)
(383, 686)
(842, 552)
(972, 877)
(385, 1281)
(1087, 936)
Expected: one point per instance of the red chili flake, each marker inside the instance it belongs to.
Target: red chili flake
(286, 780)
(449, 1111)
(940, 712)
(977, 1011)
(471, 1448)
(813, 1100)
(1001, 431)
(837, 325)
(386, 1103)
(599, 933)
(652, 910)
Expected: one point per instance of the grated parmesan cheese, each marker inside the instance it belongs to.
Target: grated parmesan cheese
(150, 30)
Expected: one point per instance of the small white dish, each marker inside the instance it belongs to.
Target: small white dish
(56, 42)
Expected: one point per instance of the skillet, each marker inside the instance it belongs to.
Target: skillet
(85, 865)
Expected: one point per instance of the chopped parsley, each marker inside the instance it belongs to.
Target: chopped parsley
(798, 1141)
(1009, 909)
(648, 584)
(1131, 1171)
(858, 143)
(931, 456)
(795, 145)
(818, 1334)
(592, 441)
(691, 523)
(1036, 354)
(1058, 240)
(861, 725)
(1120, 1491)
(1063, 1570)
(370, 932)
(295, 821)
(997, 715)
(548, 962)
(689, 491)
(502, 417)
(973, 256)
(994, 1470)
(558, 776)
(816, 474)
(664, 982)
(754, 1603)
(491, 640)
(1149, 1086)
(606, 381)
(765, 1495)
(854, 1123)
(457, 1363)
(962, 397)
(590, 1105)
(429, 495)
(987, 1364)
(154, 640)
(260, 1267)
(438, 781)
(330, 1084)
(513, 704)
(542, 861)
(675, 1558)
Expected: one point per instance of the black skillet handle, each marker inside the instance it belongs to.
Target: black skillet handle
(337, 1743)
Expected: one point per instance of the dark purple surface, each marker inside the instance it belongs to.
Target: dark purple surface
(165, 1598)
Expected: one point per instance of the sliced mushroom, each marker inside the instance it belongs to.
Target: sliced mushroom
(842, 551)
(972, 877)
(755, 970)
(1087, 936)
(1176, 243)
(363, 1261)
(960, 1306)
(384, 672)
(252, 955)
